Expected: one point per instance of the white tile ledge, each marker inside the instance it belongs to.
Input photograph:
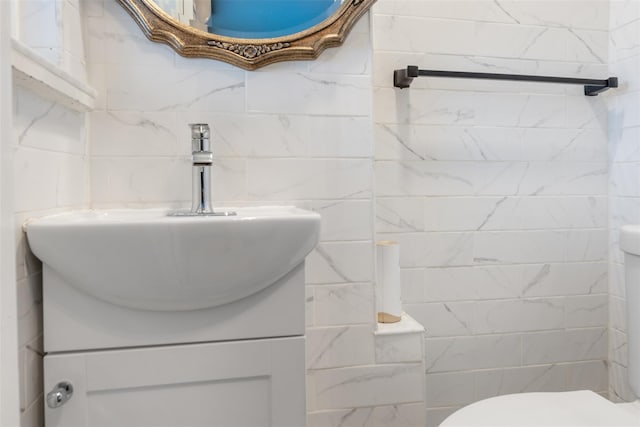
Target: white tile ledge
(33, 72)
(406, 325)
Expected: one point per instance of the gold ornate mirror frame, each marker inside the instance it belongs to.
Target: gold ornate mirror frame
(249, 54)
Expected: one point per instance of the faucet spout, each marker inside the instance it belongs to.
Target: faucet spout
(202, 161)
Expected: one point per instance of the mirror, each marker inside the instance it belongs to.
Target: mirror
(247, 33)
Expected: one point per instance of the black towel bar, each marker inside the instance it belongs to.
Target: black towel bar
(592, 87)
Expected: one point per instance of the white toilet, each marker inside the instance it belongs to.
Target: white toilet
(574, 408)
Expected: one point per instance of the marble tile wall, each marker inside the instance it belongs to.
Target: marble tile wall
(53, 28)
(624, 178)
(51, 167)
(497, 193)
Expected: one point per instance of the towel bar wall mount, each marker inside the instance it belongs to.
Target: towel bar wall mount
(592, 87)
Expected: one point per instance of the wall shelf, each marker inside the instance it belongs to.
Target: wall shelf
(33, 72)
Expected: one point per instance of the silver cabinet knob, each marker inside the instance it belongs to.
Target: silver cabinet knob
(60, 394)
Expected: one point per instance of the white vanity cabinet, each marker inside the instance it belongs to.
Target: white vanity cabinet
(236, 365)
(254, 383)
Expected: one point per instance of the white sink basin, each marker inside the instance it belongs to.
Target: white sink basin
(143, 259)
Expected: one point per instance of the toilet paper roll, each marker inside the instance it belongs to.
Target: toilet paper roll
(388, 304)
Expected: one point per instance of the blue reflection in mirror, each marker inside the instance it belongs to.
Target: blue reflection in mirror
(254, 19)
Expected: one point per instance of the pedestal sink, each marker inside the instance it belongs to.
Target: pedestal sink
(144, 259)
(156, 320)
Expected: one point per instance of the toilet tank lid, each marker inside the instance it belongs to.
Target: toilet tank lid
(630, 239)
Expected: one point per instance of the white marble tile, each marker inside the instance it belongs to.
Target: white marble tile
(132, 133)
(624, 180)
(30, 325)
(473, 10)
(616, 280)
(435, 416)
(618, 349)
(449, 389)
(92, 8)
(33, 376)
(140, 180)
(539, 246)
(124, 43)
(518, 110)
(590, 14)
(622, 12)
(572, 145)
(313, 93)
(586, 311)
(619, 384)
(520, 41)
(513, 281)
(29, 295)
(402, 415)
(623, 146)
(399, 348)
(412, 285)
(586, 112)
(565, 346)
(466, 353)
(446, 143)
(368, 385)
(309, 307)
(543, 378)
(561, 178)
(429, 178)
(617, 313)
(46, 179)
(424, 107)
(625, 40)
(45, 16)
(33, 416)
(398, 33)
(514, 213)
(43, 124)
(587, 45)
(173, 89)
(399, 214)
(444, 319)
(589, 245)
(587, 376)
(340, 262)
(283, 135)
(560, 279)
(433, 249)
(502, 316)
(73, 40)
(344, 220)
(353, 57)
(309, 179)
(344, 304)
(339, 346)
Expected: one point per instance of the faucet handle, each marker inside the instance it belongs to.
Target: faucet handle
(200, 137)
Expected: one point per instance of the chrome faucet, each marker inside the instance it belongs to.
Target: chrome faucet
(202, 161)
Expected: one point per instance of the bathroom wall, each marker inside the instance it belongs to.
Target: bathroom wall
(51, 174)
(624, 176)
(497, 192)
(293, 133)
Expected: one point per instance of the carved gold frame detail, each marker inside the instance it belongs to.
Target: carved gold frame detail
(248, 54)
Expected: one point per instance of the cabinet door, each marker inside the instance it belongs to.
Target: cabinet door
(233, 384)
